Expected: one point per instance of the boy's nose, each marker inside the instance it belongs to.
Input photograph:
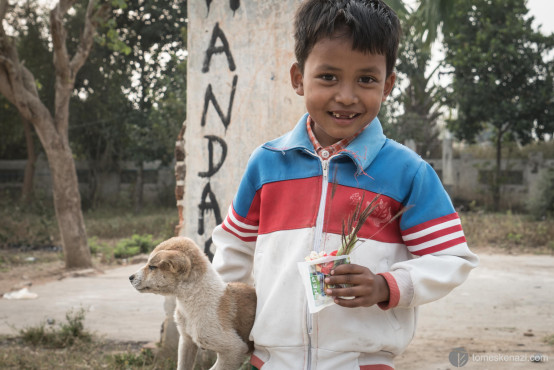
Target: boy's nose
(346, 95)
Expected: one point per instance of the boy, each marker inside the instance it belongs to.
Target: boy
(298, 189)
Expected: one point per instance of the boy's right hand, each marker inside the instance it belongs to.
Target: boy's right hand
(366, 287)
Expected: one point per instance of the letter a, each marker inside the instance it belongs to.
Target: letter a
(206, 205)
(212, 49)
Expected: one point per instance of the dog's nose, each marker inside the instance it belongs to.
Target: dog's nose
(131, 277)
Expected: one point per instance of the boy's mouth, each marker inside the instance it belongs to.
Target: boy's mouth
(344, 115)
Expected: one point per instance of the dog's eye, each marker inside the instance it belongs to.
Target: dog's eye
(150, 267)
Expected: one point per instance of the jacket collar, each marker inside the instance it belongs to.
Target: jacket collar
(362, 150)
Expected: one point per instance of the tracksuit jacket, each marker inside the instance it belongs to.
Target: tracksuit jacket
(290, 202)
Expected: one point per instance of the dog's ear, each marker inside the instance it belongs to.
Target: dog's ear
(176, 262)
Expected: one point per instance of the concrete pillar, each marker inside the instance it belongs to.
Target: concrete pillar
(238, 96)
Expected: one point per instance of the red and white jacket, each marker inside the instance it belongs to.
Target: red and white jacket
(290, 202)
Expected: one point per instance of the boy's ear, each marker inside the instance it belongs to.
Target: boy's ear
(389, 84)
(297, 79)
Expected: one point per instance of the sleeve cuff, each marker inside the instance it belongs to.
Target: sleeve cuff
(394, 296)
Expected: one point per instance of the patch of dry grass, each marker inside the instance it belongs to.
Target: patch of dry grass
(509, 232)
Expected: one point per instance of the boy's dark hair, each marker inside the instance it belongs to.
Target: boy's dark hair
(371, 24)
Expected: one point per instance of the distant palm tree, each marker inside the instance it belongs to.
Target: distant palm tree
(435, 16)
(398, 6)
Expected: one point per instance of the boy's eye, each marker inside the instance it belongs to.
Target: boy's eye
(367, 79)
(327, 77)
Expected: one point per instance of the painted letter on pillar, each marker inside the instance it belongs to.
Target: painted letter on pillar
(209, 97)
(206, 205)
(218, 44)
(217, 33)
(211, 168)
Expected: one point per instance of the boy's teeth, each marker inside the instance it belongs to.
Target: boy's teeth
(336, 115)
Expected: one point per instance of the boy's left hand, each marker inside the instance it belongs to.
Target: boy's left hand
(367, 288)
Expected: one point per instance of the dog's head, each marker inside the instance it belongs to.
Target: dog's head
(171, 263)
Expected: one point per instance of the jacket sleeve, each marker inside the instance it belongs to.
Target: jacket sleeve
(432, 232)
(235, 238)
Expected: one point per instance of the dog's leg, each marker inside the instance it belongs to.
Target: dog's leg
(187, 352)
(232, 357)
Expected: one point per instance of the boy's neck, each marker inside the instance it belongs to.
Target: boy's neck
(331, 147)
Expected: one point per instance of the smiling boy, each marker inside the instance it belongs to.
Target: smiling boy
(298, 189)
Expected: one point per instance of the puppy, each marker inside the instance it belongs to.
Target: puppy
(209, 313)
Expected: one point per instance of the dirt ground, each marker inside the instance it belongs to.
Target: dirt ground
(502, 317)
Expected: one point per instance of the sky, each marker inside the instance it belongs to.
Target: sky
(542, 10)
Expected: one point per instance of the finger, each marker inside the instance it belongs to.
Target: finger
(341, 279)
(348, 269)
(354, 279)
(352, 303)
(355, 291)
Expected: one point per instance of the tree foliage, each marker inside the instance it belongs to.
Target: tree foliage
(32, 47)
(420, 99)
(502, 75)
(132, 97)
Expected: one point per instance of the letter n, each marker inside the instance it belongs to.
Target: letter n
(209, 97)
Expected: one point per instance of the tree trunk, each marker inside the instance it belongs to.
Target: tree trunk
(497, 178)
(27, 189)
(18, 85)
(67, 203)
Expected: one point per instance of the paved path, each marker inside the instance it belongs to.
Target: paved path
(113, 307)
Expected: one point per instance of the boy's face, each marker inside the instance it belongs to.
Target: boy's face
(343, 88)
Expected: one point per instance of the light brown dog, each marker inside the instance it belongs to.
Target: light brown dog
(210, 313)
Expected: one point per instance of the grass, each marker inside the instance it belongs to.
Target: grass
(70, 346)
(549, 339)
(114, 233)
(517, 233)
(64, 336)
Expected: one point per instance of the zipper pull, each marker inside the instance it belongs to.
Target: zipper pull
(325, 170)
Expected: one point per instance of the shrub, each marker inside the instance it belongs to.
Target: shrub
(132, 360)
(135, 245)
(65, 336)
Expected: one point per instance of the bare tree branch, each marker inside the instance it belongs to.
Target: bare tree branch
(87, 38)
(58, 33)
(66, 68)
(3, 9)
(17, 83)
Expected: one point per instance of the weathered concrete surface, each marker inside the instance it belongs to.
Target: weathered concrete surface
(240, 54)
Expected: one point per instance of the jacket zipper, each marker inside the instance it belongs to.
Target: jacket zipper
(318, 246)
(321, 213)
